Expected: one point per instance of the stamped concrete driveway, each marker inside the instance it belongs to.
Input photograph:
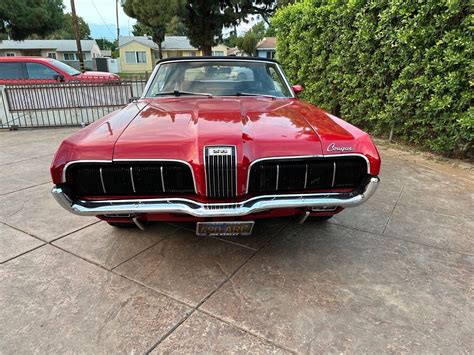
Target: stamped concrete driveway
(394, 275)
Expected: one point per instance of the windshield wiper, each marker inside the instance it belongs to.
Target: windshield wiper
(251, 94)
(179, 93)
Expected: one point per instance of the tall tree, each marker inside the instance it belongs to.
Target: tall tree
(176, 27)
(248, 43)
(231, 40)
(153, 13)
(270, 31)
(206, 18)
(283, 3)
(22, 18)
(106, 44)
(67, 30)
(259, 30)
(139, 29)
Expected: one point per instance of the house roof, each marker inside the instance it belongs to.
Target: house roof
(267, 43)
(60, 45)
(146, 41)
(233, 51)
(170, 42)
(177, 42)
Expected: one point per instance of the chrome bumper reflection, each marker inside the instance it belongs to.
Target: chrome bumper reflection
(197, 209)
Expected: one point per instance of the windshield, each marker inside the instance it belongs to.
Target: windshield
(219, 78)
(64, 67)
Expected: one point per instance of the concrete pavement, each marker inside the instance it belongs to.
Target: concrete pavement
(394, 275)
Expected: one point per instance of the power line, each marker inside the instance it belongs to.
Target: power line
(103, 21)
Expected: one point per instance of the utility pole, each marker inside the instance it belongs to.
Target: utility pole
(75, 26)
(116, 18)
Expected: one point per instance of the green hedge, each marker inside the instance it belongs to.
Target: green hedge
(400, 64)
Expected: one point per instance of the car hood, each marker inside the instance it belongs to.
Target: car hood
(181, 128)
(89, 75)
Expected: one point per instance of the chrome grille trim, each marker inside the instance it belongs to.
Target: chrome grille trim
(277, 177)
(220, 171)
(66, 166)
(162, 179)
(131, 179)
(333, 174)
(102, 181)
(330, 156)
(306, 176)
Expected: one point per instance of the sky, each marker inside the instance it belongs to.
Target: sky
(100, 15)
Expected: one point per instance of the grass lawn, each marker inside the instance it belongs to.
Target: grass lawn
(140, 75)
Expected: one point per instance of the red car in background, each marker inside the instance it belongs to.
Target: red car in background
(33, 70)
(203, 144)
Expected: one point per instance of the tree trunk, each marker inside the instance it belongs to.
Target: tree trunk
(158, 37)
(160, 51)
(206, 50)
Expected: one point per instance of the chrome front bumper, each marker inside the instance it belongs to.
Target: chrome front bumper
(198, 209)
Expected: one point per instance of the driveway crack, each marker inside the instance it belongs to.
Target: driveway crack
(393, 209)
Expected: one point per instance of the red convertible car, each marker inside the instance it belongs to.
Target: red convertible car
(222, 141)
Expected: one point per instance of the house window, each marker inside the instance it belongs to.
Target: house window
(52, 55)
(135, 57)
(270, 54)
(217, 53)
(70, 56)
(10, 54)
(192, 54)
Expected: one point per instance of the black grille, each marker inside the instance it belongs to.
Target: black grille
(130, 178)
(288, 175)
(221, 172)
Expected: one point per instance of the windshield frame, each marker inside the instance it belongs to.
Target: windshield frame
(148, 86)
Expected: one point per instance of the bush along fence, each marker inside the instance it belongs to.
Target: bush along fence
(400, 66)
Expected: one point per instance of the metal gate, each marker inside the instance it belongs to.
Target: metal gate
(64, 104)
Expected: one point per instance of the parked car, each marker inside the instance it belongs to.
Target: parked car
(222, 152)
(30, 70)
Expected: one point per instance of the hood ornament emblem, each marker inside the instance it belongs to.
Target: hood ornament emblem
(333, 147)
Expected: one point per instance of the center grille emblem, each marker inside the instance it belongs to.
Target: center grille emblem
(221, 171)
(212, 151)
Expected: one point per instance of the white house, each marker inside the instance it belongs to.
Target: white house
(266, 48)
(64, 50)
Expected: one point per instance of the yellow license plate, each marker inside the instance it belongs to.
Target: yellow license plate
(242, 228)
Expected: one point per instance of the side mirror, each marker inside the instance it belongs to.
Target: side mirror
(297, 89)
(133, 99)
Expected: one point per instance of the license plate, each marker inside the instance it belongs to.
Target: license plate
(224, 228)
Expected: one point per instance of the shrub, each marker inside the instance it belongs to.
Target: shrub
(400, 64)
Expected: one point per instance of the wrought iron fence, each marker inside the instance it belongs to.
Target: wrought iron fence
(41, 104)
